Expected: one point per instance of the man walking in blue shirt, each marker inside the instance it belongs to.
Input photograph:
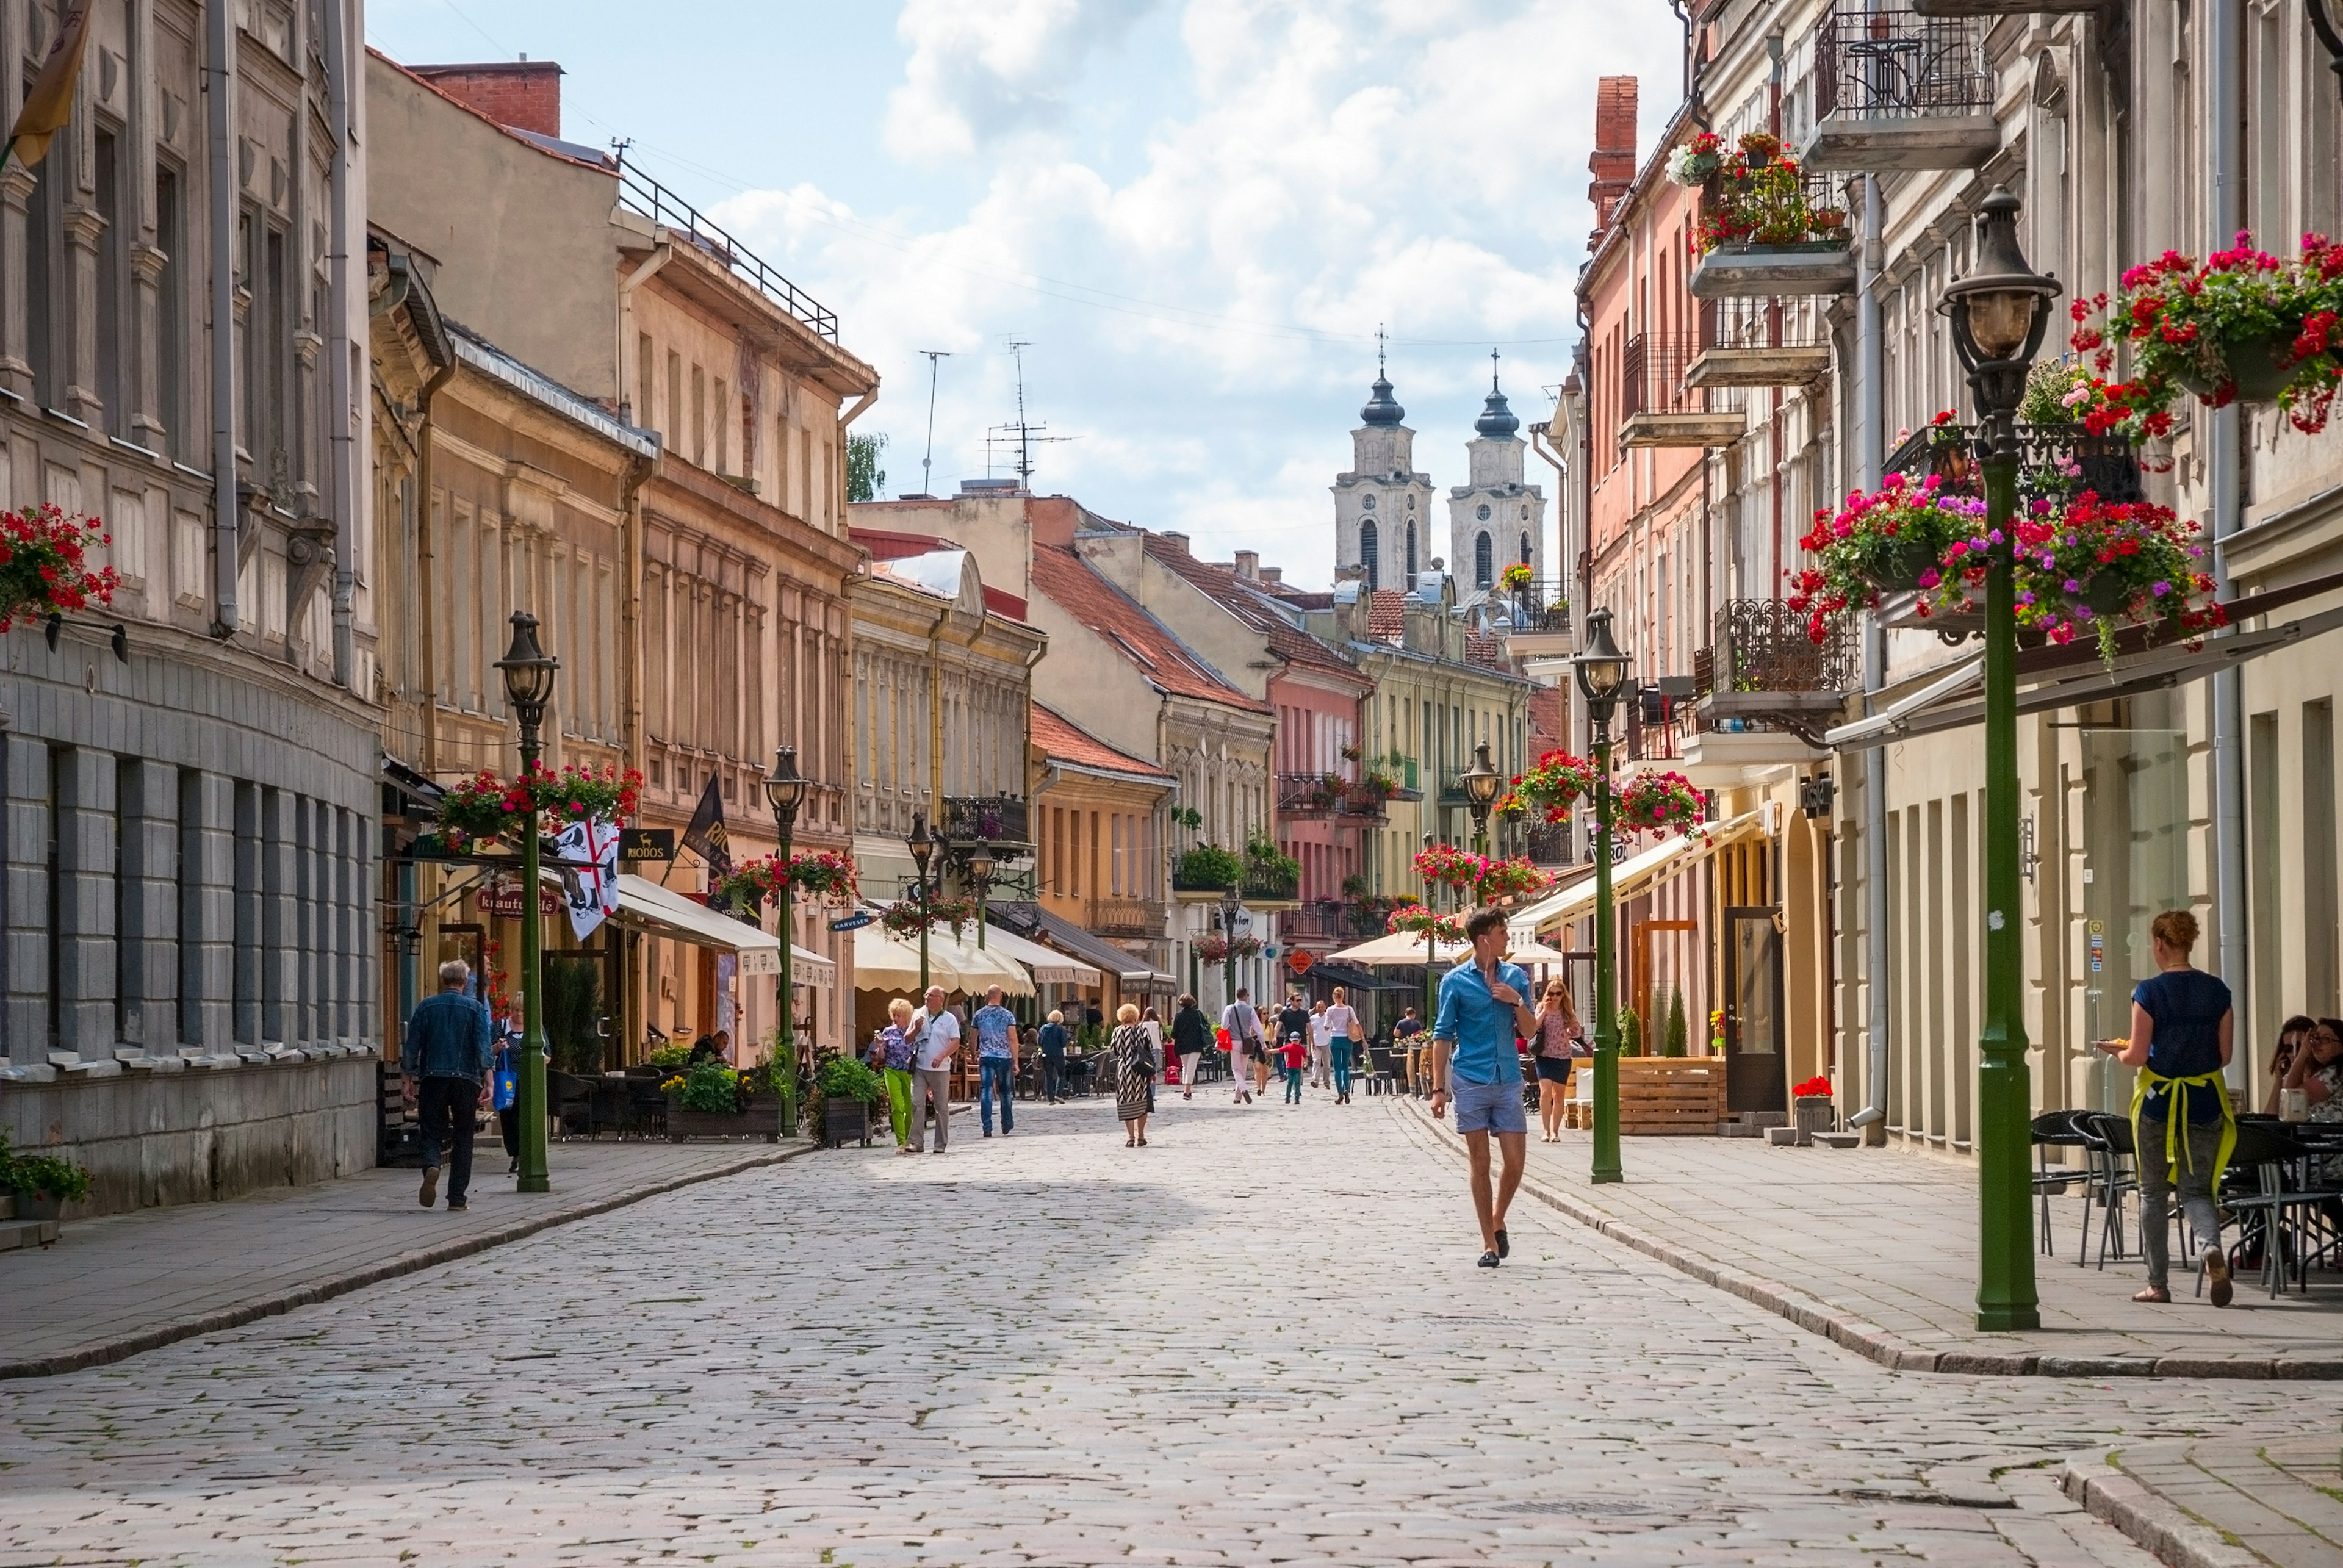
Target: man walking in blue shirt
(445, 1064)
(1484, 1009)
(996, 1061)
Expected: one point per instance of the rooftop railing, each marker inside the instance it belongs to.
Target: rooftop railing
(641, 193)
(1898, 65)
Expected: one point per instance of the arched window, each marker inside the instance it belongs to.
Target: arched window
(1484, 562)
(1367, 554)
(1525, 548)
(1411, 552)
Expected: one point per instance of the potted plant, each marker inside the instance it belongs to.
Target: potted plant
(1658, 802)
(906, 918)
(711, 1100)
(43, 1183)
(1208, 865)
(1516, 578)
(1811, 1106)
(1716, 1032)
(1695, 163)
(822, 874)
(1757, 200)
(1417, 920)
(487, 806)
(2240, 325)
(1558, 783)
(848, 1089)
(43, 568)
(1890, 540)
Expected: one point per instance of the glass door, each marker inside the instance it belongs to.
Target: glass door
(1755, 1076)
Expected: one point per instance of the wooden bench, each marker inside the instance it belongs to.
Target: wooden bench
(1664, 1096)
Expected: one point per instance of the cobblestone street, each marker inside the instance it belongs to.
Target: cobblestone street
(1260, 1340)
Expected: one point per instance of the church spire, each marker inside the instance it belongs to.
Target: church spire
(1497, 421)
(1381, 408)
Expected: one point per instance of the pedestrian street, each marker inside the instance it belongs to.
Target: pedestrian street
(1262, 1338)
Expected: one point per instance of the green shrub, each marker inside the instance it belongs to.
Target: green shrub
(38, 1173)
(1208, 865)
(1678, 1029)
(675, 1057)
(711, 1087)
(1631, 1032)
(844, 1077)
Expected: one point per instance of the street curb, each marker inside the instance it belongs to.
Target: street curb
(1868, 1338)
(246, 1311)
(2167, 1533)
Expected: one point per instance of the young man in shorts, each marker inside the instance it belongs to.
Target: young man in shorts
(1483, 1008)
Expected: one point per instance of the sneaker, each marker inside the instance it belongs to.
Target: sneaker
(2217, 1276)
(430, 1192)
(456, 1206)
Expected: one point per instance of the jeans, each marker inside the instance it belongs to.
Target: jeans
(1053, 1076)
(1343, 1068)
(2200, 1142)
(992, 1070)
(898, 1103)
(931, 1087)
(1294, 1086)
(445, 1106)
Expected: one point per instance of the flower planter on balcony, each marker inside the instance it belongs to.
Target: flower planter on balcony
(2253, 365)
(1771, 271)
(1784, 367)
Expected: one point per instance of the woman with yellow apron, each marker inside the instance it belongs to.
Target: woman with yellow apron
(2181, 1123)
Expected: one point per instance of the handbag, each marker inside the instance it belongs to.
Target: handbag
(505, 1088)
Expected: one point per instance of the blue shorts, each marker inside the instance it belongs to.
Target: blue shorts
(1489, 1106)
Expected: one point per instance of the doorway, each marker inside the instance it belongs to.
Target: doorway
(1755, 1068)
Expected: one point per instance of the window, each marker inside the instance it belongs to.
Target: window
(699, 416)
(170, 324)
(44, 271)
(671, 417)
(1411, 552)
(1367, 553)
(114, 380)
(1484, 568)
(1525, 547)
(646, 372)
(723, 426)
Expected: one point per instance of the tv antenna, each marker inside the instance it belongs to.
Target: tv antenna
(935, 357)
(1027, 433)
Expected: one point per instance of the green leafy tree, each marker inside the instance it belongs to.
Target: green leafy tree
(864, 478)
(1631, 1032)
(1678, 1029)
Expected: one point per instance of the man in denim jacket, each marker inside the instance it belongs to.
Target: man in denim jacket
(446, 1063)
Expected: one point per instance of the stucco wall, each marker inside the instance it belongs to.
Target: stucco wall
(152, 1139)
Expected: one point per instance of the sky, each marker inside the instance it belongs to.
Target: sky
(1195, 215)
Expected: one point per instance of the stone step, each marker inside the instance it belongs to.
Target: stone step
(1839, 1139)
(1785, 1137)
(16, 1233)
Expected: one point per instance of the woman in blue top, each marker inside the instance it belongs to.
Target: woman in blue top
(2180, 1115)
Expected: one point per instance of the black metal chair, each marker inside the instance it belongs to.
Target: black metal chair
(2258, 1188)
(572, 1102)
(2052, 1129)
(2114, 1177)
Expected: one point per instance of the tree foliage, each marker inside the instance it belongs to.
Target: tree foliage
(864, 478)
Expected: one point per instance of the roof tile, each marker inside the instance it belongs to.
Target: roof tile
(1061, 740)
(1069, 582)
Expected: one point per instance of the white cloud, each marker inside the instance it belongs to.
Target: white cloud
(1202, 303)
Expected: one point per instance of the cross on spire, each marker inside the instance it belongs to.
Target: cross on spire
(1378, 349)
(1493, 370)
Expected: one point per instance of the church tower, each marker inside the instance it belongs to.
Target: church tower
(1382, 507)
(1495, 521)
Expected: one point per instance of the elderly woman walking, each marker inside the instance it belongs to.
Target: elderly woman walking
(1134, 1076)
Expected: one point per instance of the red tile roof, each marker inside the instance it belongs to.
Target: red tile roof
(1062, 741)
(1386, 617)
(1066, 580)
(1221, 585)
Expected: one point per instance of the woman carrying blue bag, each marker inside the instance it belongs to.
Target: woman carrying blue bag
(504, 1092)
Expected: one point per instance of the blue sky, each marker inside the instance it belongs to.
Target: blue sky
(1196, 212)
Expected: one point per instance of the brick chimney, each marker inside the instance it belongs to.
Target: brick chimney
(1614, 162)
(1272, 576)
(1177, 541)
(1249, 565)
(523, 94)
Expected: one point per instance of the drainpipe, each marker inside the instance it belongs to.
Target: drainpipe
(1870, 426)
(342, 410)
(219, 82)
(2225, 473)
(427, 588)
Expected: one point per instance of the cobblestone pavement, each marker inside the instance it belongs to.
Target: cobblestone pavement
(1260, 1340)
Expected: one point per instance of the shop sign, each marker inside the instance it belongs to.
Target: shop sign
(1300, 960)
(639, 844)
(853, 923)
(500, 898)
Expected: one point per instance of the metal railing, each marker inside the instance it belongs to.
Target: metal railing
(1541, 604)
(641, 193)
(1123, 918)
(1652, 375)
(1548, 844)
(1898, 65)
(2053, 461)
(1762, 645)
(1330, 920)
(1309, 794)
(1761, 324)
(984, 819)
(1271, 886)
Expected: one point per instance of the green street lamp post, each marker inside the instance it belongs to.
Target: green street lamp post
(1998, 314)
(785, 791)
(980, 872)
(528, 671)
(1481, 782)
(1601, 669)
(923, 850)
(1231, 906)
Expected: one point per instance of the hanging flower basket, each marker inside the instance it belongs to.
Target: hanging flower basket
(1557, 783)
(1418, 921)
(822, 874)
(1510, 878)
(1449, 866)
(1695, 163)
(906, 917)
(44, 565)
(2240, 325)
(1214, 948)
(1891, 540)
(487, 807)
(1660, 802)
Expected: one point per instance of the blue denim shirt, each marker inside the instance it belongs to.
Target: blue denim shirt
(1479, 1028)
(447, 1037)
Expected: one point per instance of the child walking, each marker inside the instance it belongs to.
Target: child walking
(1295, 1054)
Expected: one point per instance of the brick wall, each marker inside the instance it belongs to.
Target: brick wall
(1614, 162)
(527, 94)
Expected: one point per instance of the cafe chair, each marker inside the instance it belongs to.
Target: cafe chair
(2052, 1129)
(2112, 1179)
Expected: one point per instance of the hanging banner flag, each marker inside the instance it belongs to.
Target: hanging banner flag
(593, 893)
(706, 838)
(48, 102)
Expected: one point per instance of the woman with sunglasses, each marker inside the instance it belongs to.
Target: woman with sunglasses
(2182, 1127)
(2317, 1070)
(2290, 1044)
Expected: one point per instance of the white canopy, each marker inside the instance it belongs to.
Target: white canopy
(886, 962)
(644, 903)
(1628, 876)
(1398, 949)
(1048, 965)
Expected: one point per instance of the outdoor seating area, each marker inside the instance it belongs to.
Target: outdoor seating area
(2281, 1198)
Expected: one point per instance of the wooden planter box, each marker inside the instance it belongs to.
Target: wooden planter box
(845, 1121)
(1664, 1096)
(761, 1120)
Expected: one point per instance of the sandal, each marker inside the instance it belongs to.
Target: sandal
(2156, 1295)
(1142, 1143)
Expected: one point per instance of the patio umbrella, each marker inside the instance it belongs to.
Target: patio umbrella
(1400, 947)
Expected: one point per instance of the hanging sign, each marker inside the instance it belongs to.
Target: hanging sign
(500, 899)
(639, 844)
(1300, 960)
(853, 923)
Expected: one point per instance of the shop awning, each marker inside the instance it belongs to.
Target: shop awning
(1069, 937)
(1400, 947)
(978, 967)
(644, 904)
(886, 962)
(1631, 876)
(1047, 965)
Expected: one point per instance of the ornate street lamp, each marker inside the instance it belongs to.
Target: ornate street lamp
(528, 671)
(1998, 314)
(923, 850)
(1481, 782)
(1231, 906)
(980, 872)
(1602, 670)
(785, 791)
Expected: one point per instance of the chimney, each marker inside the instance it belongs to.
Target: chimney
(1272, 576)
(1614, 162)
(1177, 541)
(1249, 565)
(525, 94)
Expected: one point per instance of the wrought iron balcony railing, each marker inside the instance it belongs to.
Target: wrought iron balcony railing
(2054, 461)
(995, 820)
(1898, 65)
(1652, 375)
(1110, 916)
(1539, 605)
(1309, 794)
(644, 194)
(1270, 885)
(1763, 646)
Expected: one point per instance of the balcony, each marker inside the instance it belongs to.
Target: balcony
(1897, 90)
(1791, 240)
(1404, 769)
(1308, 797)
(1658, 409)
(1272, 887)
(2054, 461)
(2003, 8)
(1549, 844)
(1533, 618)
(1767, 691)
(1749, 343)
(1123, 918)
(1329, 922)
(999, 820)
